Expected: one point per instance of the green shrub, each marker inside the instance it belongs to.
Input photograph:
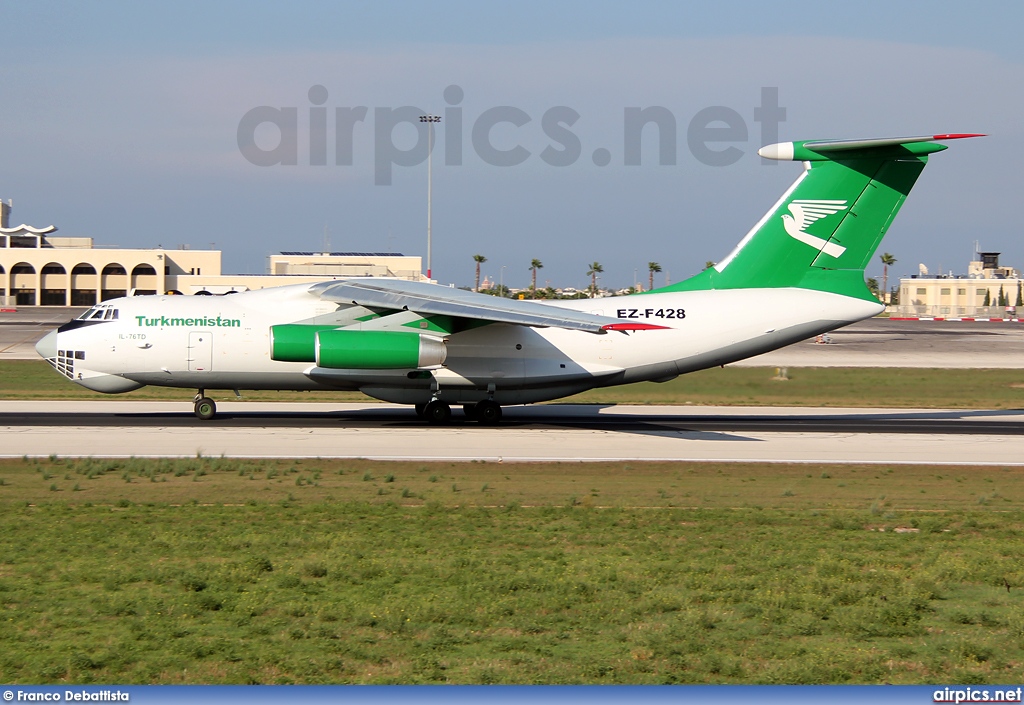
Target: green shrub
(315, 570)
(260, 564)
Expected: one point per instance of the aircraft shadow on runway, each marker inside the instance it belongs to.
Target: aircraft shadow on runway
(582, 417)
(361, 419)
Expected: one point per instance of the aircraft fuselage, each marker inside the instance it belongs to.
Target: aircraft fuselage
(225, 342)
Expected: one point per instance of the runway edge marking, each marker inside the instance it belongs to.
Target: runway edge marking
(539, 459)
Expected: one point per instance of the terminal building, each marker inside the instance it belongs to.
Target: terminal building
(986, 291)
(37, 268)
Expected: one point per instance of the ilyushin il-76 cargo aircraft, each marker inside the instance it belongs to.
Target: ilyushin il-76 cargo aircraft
(799, 272)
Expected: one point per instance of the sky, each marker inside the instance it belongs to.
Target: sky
(145, 124)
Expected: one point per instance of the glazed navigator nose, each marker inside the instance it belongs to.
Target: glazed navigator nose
(47, 347)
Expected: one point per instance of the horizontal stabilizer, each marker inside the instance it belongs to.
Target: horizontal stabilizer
(825, 229)
(813, 150)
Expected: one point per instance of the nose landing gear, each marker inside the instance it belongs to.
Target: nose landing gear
(205, 408)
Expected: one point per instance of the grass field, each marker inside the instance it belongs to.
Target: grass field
(847, 387)
(213, 570)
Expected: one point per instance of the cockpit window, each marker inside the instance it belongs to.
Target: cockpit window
(99, 313)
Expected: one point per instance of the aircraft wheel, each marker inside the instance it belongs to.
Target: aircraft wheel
(420, 410)
(437, 412)
(470, 411)
(488, 412)
(206, 409)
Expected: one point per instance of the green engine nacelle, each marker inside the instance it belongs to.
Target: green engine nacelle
(294, 342)
(378, 350)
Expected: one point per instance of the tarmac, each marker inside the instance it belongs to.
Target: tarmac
(560, 432)
(577, 433)
(20, 331)
(882, 342)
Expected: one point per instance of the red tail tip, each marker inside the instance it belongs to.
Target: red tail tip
(957, 135)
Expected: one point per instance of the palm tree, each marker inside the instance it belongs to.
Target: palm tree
(479, 259)
(535, 264)
(652, 267)
(594, 269)
(887, 260)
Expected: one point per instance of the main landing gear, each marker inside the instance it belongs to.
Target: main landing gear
(487, 412)
(437, 412)
(205, 407)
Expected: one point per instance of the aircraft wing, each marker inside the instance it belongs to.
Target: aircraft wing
(423, 298)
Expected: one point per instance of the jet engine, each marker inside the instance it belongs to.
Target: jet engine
(355, 349)
(294, 342)
(378, 350)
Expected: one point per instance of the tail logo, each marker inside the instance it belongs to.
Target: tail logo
(805, 212)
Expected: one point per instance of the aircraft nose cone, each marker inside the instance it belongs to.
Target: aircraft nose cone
(47, 347)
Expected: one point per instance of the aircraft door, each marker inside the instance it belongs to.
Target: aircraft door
(200, 351)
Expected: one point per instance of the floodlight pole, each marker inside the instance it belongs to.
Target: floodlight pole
(430, 120)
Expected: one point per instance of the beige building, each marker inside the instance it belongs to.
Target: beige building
(975, 295)
(346, 264)
(38, 268)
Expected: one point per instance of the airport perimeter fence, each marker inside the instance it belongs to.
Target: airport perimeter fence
(938, 311)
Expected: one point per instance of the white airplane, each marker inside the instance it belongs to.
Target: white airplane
(798, 273)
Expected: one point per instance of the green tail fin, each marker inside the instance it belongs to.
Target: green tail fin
(824, 230)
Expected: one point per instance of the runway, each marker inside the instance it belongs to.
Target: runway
(560, 432)
(535, 433)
